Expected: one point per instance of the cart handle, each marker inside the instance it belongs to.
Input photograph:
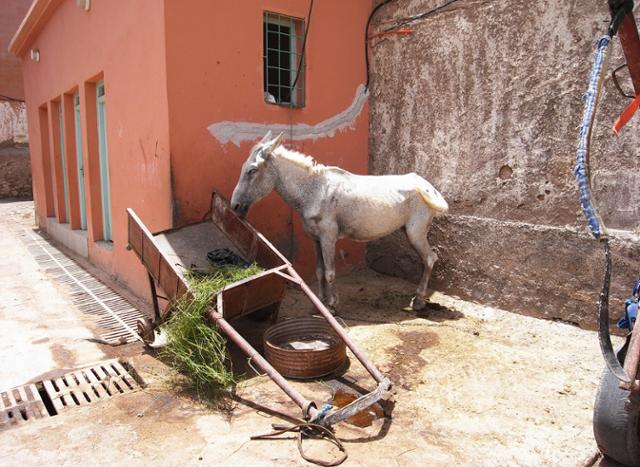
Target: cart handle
(356, 406)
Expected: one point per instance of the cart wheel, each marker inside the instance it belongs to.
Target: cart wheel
(616, 418)
(145, 329)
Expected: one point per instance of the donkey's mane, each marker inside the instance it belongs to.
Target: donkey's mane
(299, 159)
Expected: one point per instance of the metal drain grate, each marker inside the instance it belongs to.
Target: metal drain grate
(97, 382)
(113, 312)
(20, 405)
(88, 385)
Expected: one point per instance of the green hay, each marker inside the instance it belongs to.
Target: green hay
(195, 347)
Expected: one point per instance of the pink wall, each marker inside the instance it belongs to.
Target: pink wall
(214, 62)
(170, 72)
(10, 76)
(123, 43)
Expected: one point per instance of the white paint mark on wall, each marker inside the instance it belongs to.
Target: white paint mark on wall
(237, 132)
(13, 122)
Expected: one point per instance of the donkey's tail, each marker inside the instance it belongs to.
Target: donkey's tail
(432, 197)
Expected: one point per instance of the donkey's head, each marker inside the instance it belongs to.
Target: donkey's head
(257, 177)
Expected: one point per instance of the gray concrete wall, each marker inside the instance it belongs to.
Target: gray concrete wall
(484, 100)
(13, 11)
(13, 116)
(15, 166)
(15, 172)
(13, 123)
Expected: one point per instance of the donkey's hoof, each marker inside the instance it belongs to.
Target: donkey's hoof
(418, 303)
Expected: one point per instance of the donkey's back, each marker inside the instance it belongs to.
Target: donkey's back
(371, 206)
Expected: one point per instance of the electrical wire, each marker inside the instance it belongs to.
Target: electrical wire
(291, 90)
(8, 98)
(411, 19)
(399, 23)
(366, 38)
(304, 50)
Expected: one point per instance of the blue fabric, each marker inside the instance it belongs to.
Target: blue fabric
(324, 411)
(582, 168)
(636, 288)
(630, 315)
(631, 308)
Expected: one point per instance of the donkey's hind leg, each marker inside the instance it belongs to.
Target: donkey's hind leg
(417, 229)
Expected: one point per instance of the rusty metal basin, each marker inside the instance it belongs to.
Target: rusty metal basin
(304, 348)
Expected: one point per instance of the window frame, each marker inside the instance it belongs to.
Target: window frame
(297, 94)
(77, 124)
(63, 162)
(103, 157)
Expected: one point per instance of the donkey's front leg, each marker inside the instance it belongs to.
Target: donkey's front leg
(322, 289)
(328, 244)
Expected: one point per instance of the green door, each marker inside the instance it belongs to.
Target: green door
(81, 195)
(65, 182)
(104, 163)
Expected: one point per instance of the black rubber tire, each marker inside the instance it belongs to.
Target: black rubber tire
(615, 428)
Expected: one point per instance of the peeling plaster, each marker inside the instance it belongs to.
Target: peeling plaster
(13, 122)
(237, 132)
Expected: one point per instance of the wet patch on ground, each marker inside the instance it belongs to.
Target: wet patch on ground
(406, 366)
(362, 419)
(63, 357)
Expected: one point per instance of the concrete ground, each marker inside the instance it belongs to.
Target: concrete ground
(472, 385)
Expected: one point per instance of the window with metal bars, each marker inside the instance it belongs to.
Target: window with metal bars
(283, 38)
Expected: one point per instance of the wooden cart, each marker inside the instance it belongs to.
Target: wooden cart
(168, 254)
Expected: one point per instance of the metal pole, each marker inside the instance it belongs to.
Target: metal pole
(370, 367)
(154, 298)
(630, 41)
(308, 407)
(632, 358)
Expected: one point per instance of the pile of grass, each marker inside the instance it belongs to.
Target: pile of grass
(195, 347)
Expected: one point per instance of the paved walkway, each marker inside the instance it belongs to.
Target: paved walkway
(474, 385)
(41, 330)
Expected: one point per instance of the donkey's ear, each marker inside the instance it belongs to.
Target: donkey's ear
(274, 143)
(266, 137)
(278, 140)
(268, 148)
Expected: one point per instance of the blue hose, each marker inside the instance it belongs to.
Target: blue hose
(591, 97)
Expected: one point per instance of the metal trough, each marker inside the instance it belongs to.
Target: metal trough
(307, 362)
(167, 254)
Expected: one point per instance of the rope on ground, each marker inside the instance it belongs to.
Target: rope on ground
(309, 430)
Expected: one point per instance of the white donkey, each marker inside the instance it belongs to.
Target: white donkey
(335, 203)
